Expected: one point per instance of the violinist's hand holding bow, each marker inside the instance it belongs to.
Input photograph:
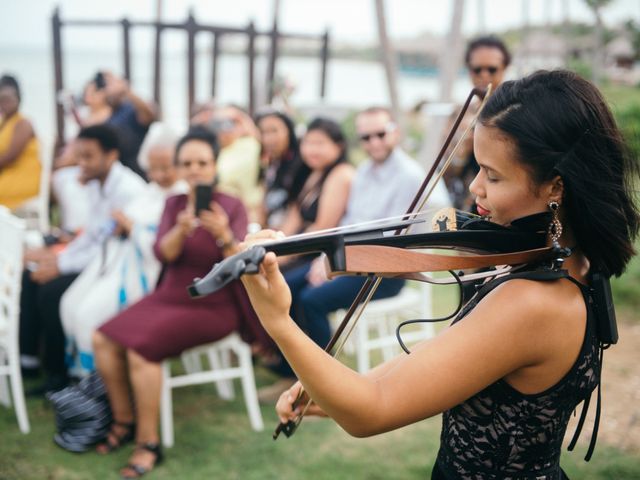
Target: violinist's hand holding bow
(268, 290)
(286, 409)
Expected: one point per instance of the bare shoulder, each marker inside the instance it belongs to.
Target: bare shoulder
(24, 127)
(528, 311)
(342, 173)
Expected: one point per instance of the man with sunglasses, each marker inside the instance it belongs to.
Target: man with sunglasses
(486, 58)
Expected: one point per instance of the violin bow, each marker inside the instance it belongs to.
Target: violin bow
(372, 282)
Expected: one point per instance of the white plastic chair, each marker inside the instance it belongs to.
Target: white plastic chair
(376, 329)
(11, 248)
(220, 371)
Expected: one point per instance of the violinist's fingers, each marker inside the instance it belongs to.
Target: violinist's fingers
(260, 237)
(271, 271)
(269, 293)
(284, 406)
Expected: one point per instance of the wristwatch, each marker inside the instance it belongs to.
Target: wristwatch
(220, 242)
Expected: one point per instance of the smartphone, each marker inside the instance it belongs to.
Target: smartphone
(203, 197)
(100, 81)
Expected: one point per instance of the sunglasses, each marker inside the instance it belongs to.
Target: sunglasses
(478, 70)
(222, 124)
(380, 135)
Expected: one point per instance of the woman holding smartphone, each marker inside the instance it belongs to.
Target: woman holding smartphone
(132, 345)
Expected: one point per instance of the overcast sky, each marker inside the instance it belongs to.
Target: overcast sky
(27, 22)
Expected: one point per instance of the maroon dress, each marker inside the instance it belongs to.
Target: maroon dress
(168, 321)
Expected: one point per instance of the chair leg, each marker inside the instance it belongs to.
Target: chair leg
(18, 398)
(224, 387)
(191, 362)
(249, 388)
(166, 407)
(5, 397)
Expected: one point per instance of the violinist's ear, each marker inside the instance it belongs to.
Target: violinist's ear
(556, 190)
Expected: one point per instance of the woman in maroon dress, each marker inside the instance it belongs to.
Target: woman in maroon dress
(130, 347)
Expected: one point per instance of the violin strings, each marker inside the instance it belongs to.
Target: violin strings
(369, 223)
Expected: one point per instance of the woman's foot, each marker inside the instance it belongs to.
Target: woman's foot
(120, 434)
(145, 457)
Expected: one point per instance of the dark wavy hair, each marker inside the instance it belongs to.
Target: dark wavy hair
(489, 41)
(333, 130)
(302, 170)
(561, 125)
(288, 123)
(11, 81)
(199, 133)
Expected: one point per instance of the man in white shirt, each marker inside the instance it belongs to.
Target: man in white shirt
(48, 273)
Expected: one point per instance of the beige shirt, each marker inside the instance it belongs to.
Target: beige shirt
(238, 169)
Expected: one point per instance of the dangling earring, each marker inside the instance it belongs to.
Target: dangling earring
(555, 227)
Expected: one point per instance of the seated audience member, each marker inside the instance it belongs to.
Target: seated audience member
(126, 269)
(19, 158)
(202, 113)
(130, 347)
(322, 200)
(285, 172)
(131, 116)
(49, 274)
(383, 186)
(238, 168)
(486, 59)
(70, 194)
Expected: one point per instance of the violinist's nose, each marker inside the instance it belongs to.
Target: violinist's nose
(476, 186)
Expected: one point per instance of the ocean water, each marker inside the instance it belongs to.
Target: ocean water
(350, 84)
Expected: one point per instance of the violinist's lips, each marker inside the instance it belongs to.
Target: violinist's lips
(483, 212)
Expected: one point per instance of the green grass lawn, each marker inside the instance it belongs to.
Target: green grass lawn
(214, 440)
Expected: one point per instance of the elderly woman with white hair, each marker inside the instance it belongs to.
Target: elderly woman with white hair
(126, 270)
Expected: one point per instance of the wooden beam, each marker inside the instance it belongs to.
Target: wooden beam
(126, 46)
(56, 27)
(191, 28)
(388, 60)
(251, 56)
(214, 62)
(324, 58)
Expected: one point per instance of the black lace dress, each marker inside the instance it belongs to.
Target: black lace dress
(500, 433)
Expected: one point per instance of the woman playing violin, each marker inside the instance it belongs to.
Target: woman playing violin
(516, 362)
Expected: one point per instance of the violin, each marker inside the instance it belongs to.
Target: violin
(458, 241)
(471, 242)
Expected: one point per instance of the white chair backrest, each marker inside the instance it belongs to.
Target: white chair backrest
(11, 250)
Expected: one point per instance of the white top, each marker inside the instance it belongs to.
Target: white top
(120, 187)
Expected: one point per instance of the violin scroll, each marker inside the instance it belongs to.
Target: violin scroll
(228, 270)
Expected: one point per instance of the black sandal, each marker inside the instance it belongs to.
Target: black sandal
(140, 470)
(108, 446)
